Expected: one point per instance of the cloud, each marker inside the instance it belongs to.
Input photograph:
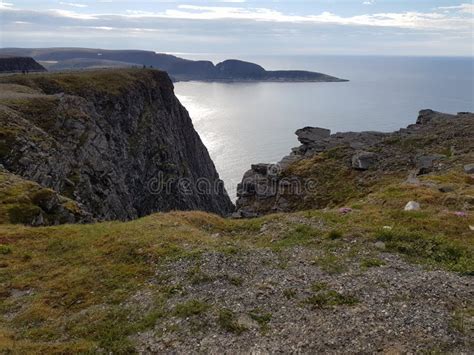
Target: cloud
(72, 4)
(369, 2)
(5, 5)
(238, 28)
(414, 20)
(438, 19)
(463, 8)
(73, 14)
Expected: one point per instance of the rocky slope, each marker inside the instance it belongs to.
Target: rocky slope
(178, 68)
(14, 64)
(116, 141)
(309, 177)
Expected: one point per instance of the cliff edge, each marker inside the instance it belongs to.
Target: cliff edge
(116, 141)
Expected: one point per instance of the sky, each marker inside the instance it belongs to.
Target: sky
(245, 27)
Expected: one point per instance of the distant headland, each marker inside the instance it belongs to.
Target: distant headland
(180, 69)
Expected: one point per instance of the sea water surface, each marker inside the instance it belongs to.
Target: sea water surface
(247, 123)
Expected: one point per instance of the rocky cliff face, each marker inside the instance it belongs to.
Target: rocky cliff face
(116, 141)
(12, 64)
(331, 169)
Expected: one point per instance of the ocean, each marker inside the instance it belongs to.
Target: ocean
(247, 123)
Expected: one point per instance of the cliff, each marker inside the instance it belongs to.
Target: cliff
(328, 170)
(13, 64)
(116, 141)
(178, 68)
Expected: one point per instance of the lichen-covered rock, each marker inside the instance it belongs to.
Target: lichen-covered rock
(117, 141)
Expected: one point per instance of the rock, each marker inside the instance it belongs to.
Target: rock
(446, 188)
(308, 135)
(261, 168)
(380, 245)
(424, 116)
(345, 210)
(412, 206)
(412, 178)
(246, 322)
(425, 163)
(363, 160)
(469, 168)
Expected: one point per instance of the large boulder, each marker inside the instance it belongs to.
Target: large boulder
(308, 135)
(364, 160)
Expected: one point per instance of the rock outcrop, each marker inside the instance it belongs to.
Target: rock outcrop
(26, 202)
(330, 169)
(13, 64)
(116, 141)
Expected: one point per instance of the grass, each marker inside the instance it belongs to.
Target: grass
(434, 250)
(191, 308)
(290, 293)
(262, 318)
(227, 320)
(371, 262)
(300, 235)
(463, 320)
(330, 298)
(331, 263)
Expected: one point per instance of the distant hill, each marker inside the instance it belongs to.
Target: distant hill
(180, 69)
(17, 64)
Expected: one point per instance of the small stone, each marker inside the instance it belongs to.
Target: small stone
(425, 163)
(345, 210)
(380, 245)
(460, 214)
(412, 206)
(471, 227)
(469, 169)
(446, 188)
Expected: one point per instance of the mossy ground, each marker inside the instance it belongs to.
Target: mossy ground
(100, 82)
